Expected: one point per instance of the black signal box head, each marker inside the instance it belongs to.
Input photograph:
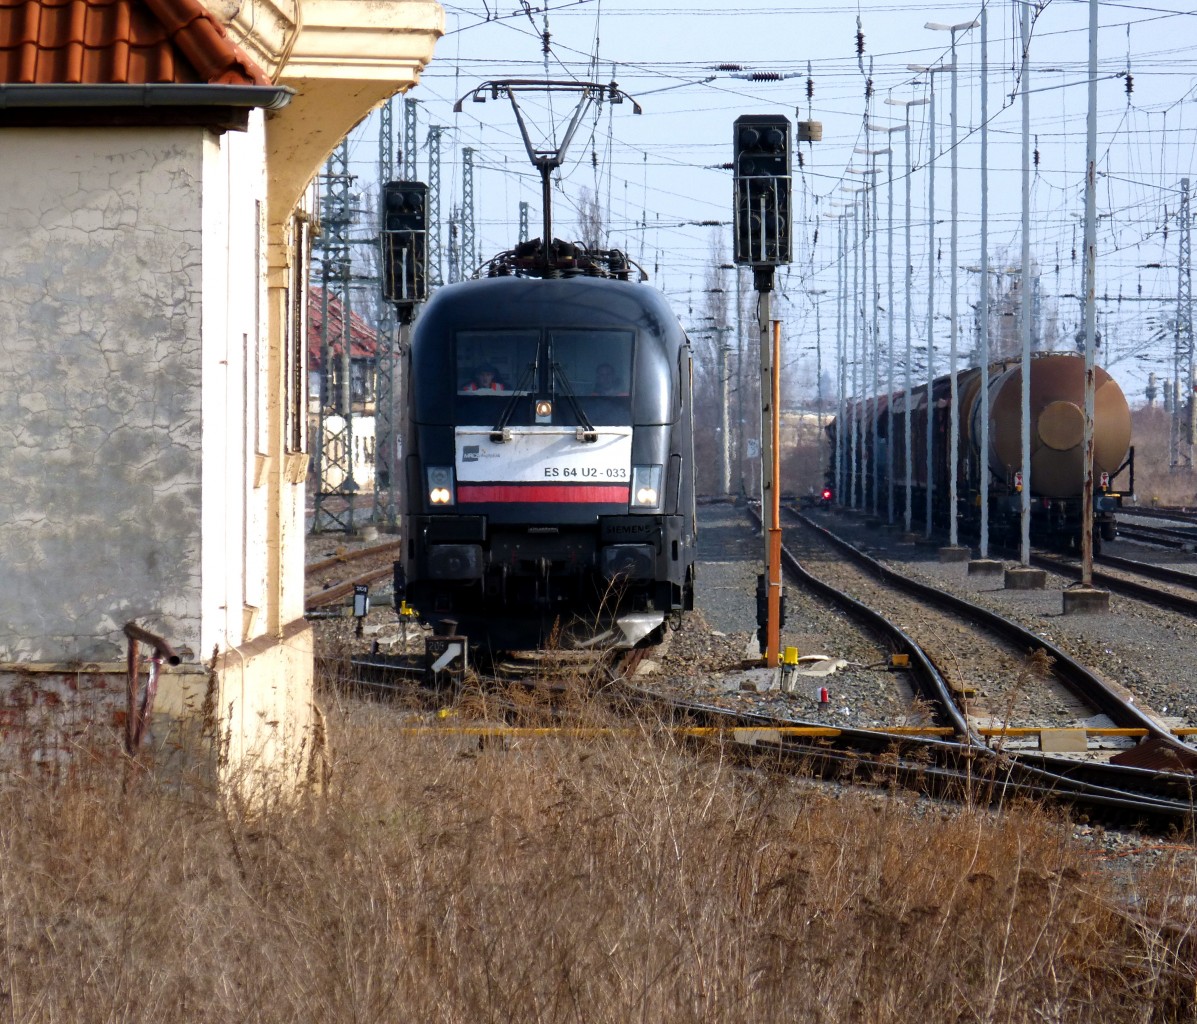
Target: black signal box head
(405, 242)
(763, 189)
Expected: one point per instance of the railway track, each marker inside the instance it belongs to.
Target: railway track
(1177, 594)
(343, 571)
(1161, 789)
(1179, 538)
(536, 693)
(984, 656)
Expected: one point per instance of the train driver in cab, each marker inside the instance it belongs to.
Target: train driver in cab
(605, 382)
(486, 378)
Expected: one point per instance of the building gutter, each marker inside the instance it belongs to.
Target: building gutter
(62, 96)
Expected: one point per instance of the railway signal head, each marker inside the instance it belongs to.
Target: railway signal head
(763, 188)
(405, 243)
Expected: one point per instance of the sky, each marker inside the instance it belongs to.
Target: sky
(694, 67)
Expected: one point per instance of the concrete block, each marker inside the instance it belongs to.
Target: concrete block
(1024, 578)
(1086, 600)
(954, 553)
(1063, 741)
(985, 567)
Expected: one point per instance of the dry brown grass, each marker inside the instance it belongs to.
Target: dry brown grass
(1155, 481)
(611, 879)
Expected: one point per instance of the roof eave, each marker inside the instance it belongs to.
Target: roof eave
(62, 96)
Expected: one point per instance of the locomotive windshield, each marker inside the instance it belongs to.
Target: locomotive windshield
(497, 362)
(590, 367)
(595, 362)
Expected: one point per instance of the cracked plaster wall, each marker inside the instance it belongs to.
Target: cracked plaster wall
(100, 418)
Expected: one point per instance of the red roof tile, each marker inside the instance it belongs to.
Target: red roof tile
(363, 341)
(118, 42)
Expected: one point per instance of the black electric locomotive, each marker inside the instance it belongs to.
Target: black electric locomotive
(549, 477)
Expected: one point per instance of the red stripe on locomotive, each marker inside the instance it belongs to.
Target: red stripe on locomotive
(600, 494)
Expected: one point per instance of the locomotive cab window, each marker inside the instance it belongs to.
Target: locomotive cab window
(594, 363)
(491, 363)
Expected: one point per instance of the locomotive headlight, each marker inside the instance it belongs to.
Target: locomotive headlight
(544, 411)
(440, 485)
(646, 486)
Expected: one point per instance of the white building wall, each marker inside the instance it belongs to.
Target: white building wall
(234, 401)
(102, 259)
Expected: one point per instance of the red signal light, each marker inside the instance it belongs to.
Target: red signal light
(826, 493)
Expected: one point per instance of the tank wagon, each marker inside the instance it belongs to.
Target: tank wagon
(1057, 448)
(549, 473)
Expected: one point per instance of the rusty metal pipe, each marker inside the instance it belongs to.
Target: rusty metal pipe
(137, 717)
(161, 648)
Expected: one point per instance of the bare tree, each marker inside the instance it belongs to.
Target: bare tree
(592, 230)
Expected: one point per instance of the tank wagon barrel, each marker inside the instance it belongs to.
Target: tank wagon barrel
(1056, 477)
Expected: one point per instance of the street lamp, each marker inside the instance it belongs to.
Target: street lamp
(816, 292)
(908, 454)
(841, 320)
(953, 461)
(866, 392)
(875, 303)
(889, 381)
(857, 286)
(931, 72)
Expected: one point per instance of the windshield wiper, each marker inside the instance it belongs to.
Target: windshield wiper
(586, 431)
(499, 432)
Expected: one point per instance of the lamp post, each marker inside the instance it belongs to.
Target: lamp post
(857, 275)
(983, 467)
(889, 381)
(954, 459)
(1025, 372)
(874, 299)
(930, 72)
(815, 293)
(840, 356)
(1090, 304)
(908, 453)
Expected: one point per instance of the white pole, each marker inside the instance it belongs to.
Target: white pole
(908, 450)
(841, 333)
(954, 411)
(724, 400)
(855, 350)
(1090, 304)
(930, 299)
(983, 459)
(889, 379)
(954, 442)
(874, 297)
(1025, 288)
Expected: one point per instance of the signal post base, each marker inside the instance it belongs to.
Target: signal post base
(954, 553)
(985, 567)
(1086, 601)
(1023, 578)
